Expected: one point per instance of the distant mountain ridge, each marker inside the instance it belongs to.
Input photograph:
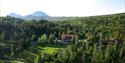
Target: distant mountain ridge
(36, 15)
(14, 15)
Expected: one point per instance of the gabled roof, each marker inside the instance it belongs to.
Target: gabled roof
(68, 38)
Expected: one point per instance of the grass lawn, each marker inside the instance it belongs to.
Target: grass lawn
(33, 53)
(50, 50)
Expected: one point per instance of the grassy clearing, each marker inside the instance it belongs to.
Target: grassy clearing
(33, 54)
(50, 50)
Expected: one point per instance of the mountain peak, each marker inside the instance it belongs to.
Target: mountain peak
(39, 14)
(14, 15)
(36, 15)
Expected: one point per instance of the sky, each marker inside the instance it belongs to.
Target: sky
(62, 7)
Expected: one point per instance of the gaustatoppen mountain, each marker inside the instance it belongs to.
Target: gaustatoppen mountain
(36, 15)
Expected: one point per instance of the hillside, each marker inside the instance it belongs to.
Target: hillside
(94, 39)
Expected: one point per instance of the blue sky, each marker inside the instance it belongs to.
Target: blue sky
(62, 7)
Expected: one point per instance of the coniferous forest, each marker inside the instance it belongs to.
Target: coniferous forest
(94, 39)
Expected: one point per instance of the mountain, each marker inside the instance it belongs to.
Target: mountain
(39, 14)
(14, 15)
(36, 15)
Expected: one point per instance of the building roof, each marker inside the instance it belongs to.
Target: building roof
(68, 38)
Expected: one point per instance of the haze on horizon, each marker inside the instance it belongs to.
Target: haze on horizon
(62, 7)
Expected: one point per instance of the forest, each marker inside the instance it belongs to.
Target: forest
(94, 39)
